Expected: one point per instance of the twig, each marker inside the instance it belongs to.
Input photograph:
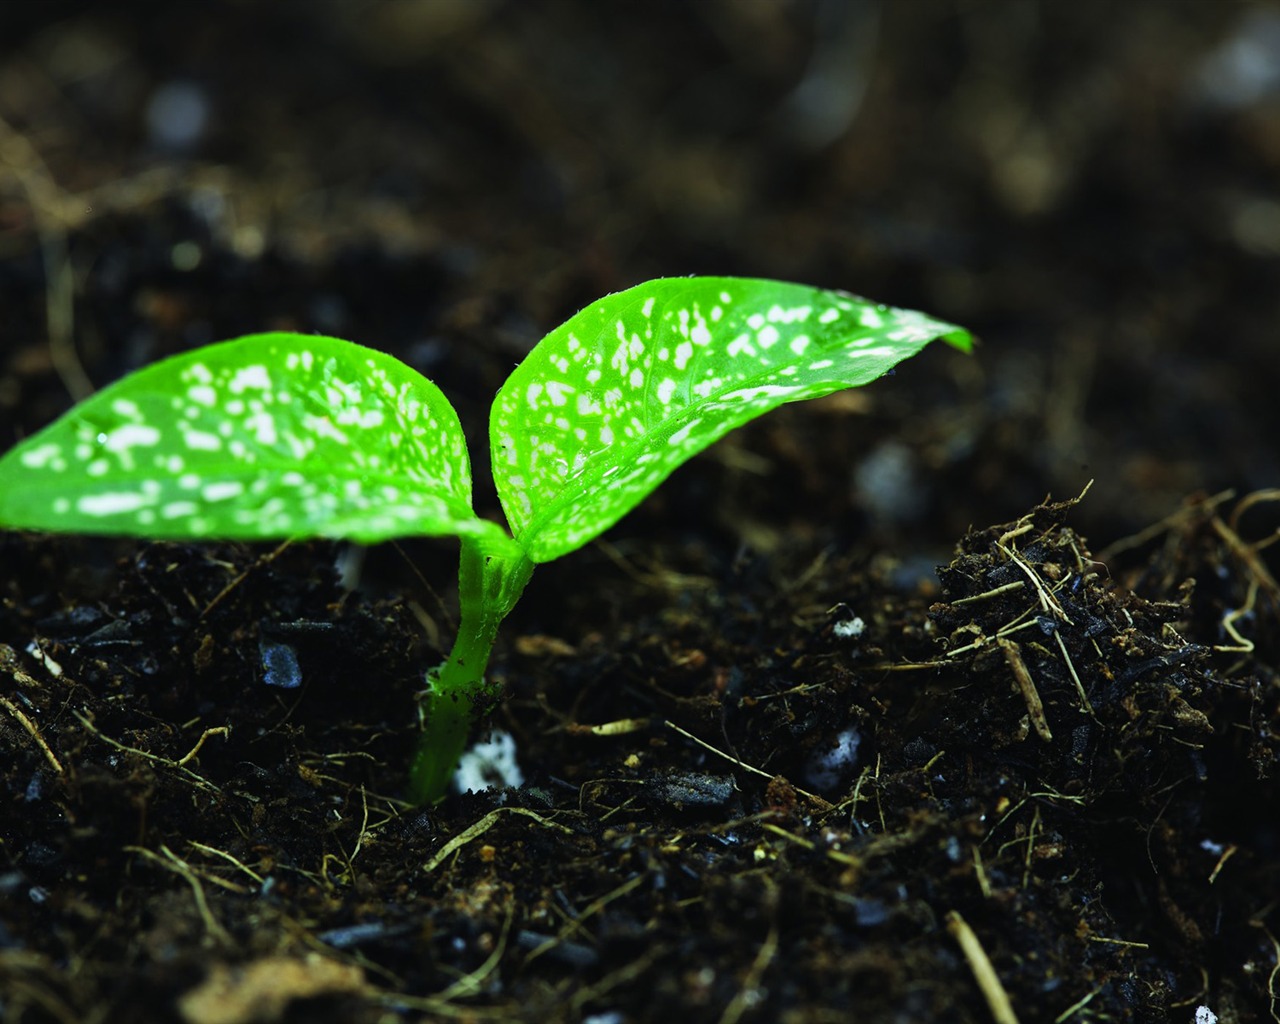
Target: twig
(621, 976)
(1048, 602)
(984, 640)
(1076, 1007)
(30, 726)
(1243, 644)
(178, 866)
(1015, 585)
(480, 828)
(469, 984)
(1274, 976)
(742, 764)
(839, 856)
(575, 923)
(1075, 676)
(1227, 854)
(48, 210)
(1246, 553)
(1163, 526)
(196, 780)
(1021, 674)
(203, 848)
(1120, 942)
(217, 730)
(258, 563)
(746, 995)
(983, 971)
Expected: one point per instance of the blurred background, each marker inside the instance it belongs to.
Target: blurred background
(1091, 187)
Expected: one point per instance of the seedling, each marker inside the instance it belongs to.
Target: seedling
(277, 436)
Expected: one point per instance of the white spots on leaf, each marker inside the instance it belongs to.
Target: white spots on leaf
(131, 435)
(882, 352)
(346, 444)
(788, 315)
(766, 391)
(253, 377)
(680, 436)
(620, 360)
(263, 426)
(323, 428)
(718, 355)
(707, 388)
(222, 490)
(110, 503)
(558, 392)
(178, 509)
(199, 440)
(352, 416)
(43, 456)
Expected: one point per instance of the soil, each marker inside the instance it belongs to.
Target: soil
(849, 721)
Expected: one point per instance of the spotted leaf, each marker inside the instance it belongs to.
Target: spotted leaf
(270, 436)
(608, 404)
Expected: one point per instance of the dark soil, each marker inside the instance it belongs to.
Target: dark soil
(1060, 796)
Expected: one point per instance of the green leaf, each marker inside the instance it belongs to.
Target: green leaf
(269, 436)
(607, 405)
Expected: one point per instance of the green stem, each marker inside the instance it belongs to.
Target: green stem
(492, 574)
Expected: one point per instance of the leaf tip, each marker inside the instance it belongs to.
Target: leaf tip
(959, 338)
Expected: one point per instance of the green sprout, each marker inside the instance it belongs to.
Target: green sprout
(280, 436)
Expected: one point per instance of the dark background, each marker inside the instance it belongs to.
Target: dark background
(1090, 187)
